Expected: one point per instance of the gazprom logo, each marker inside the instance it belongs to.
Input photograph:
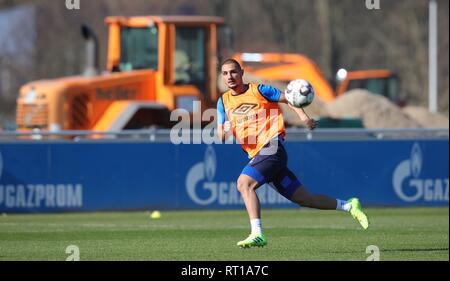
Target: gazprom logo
(42, 195)
(409, 184)
(203, 189)
(198, 173)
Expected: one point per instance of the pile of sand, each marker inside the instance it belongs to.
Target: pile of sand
(379, 112)
(375, 111)
(425, 118)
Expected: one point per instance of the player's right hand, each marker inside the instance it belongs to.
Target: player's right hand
(311, 123)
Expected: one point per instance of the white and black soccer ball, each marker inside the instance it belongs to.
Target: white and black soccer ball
(299, 93)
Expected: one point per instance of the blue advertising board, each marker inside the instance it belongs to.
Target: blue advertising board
(92, 176)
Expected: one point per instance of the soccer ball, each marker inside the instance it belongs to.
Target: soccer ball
(299, 93)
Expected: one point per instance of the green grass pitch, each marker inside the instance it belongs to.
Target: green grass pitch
(293, 234)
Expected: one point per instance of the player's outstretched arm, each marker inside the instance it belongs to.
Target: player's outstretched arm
(283, 98)
(309, 122)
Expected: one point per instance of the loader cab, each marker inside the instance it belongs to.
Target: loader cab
(138, 48)
(380, 82)
(181, 50)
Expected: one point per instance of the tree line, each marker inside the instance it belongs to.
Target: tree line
(334, 34)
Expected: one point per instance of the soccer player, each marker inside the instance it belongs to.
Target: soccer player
(251, 113)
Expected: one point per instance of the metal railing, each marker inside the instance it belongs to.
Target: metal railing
(164, 135)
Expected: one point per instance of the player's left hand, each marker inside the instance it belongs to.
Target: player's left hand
(227, 126)
(311, 123)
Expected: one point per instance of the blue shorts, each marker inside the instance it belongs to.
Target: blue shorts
(270, 166)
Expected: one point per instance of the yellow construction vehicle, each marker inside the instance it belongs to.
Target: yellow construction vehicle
(282, 67)
(155, 64)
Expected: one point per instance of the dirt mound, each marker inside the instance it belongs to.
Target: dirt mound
(375, 111)
(425, 118)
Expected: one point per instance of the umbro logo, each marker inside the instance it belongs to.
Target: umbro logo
(244, 108)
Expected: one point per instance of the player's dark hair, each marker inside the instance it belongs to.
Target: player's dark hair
(231, 61)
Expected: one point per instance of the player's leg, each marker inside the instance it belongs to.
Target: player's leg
(318, 201)
(290, 187)
(247, 187)
(262, 168)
